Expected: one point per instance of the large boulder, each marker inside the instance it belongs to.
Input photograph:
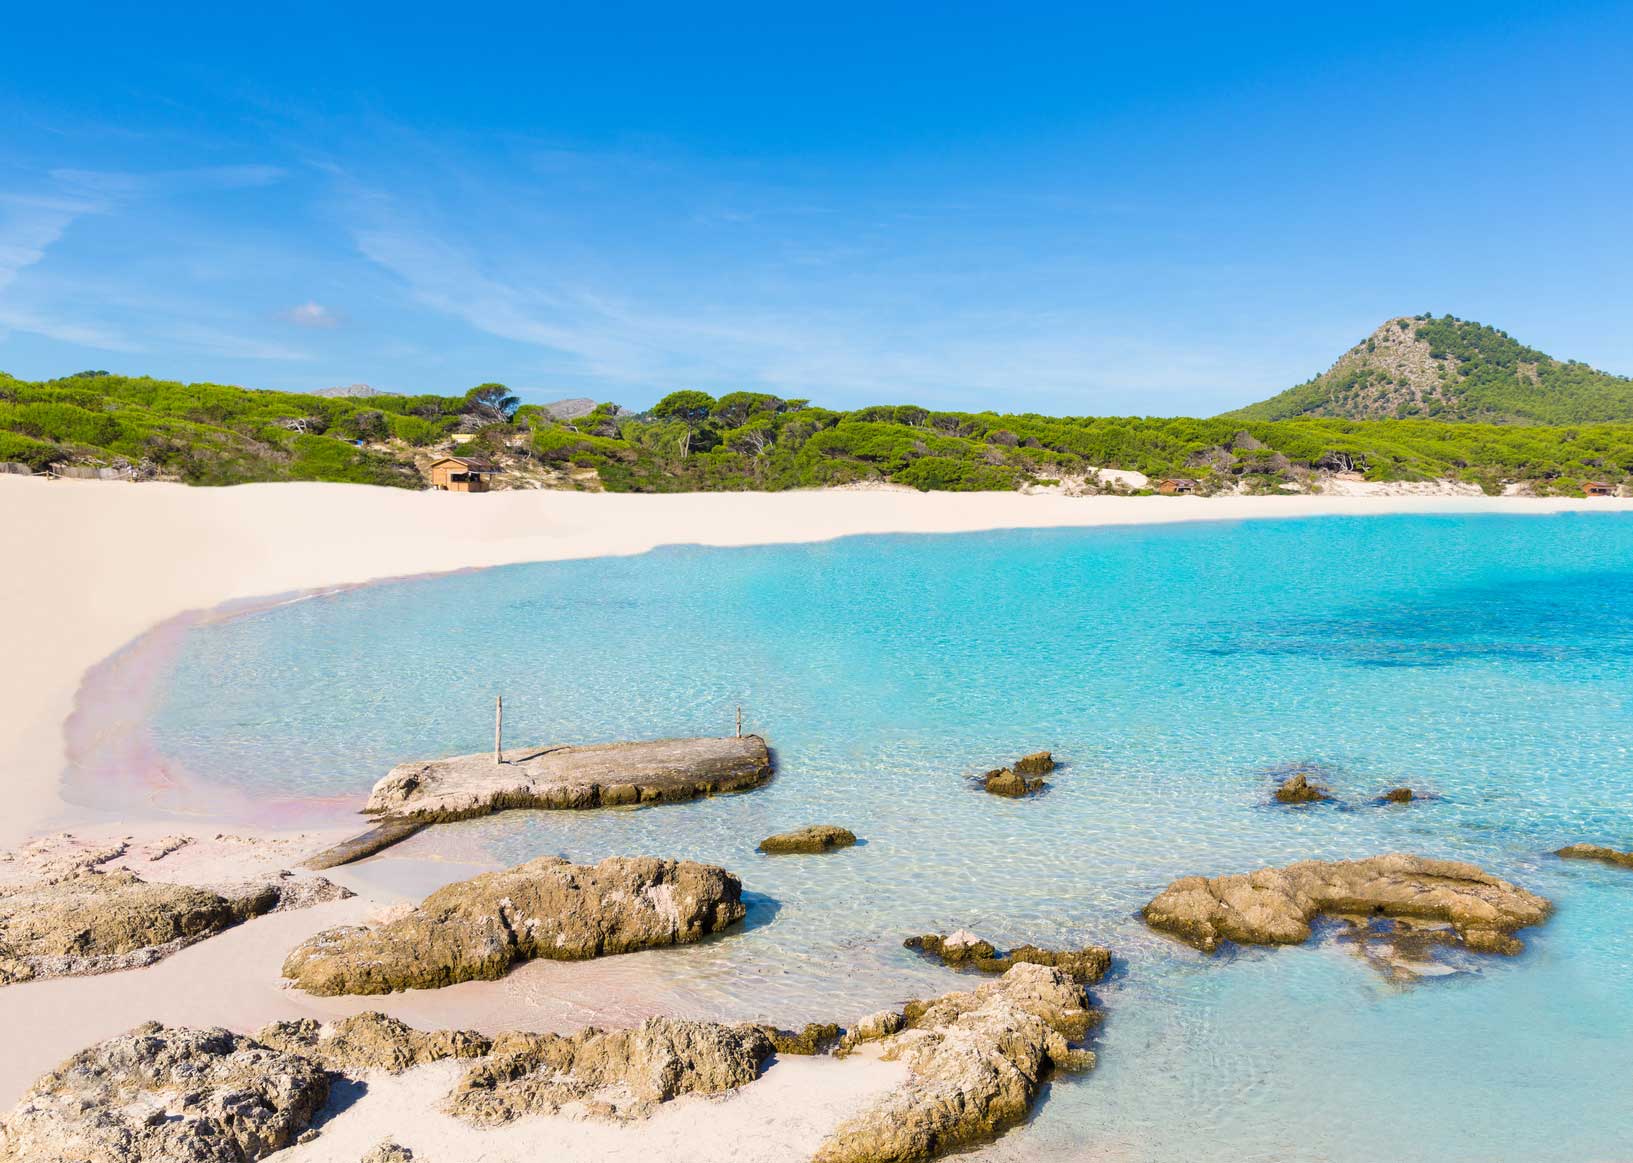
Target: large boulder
(477, 929)
(812, 839)
(612, 1074)
(1596, 852)
(166, 1095)
(1275, 906)
(975, 1063)
(964, 949)
(96, 922)
(370, 1041)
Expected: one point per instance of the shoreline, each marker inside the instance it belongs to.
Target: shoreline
(229, 551)
(92, 643)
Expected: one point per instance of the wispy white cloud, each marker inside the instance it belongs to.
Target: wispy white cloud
(30, 225)
(311, 314)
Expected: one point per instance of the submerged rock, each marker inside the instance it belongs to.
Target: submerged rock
(1596, 852)
(477, 929)
(613, 1074)
(166, 1095)
(1008, 782)
(370, 1041)
(1037, 763)
(1399, 795)
(815, 838)
(97, 922)
(1275, 906)
(975, 1063)
(1297, 789)
(1087, 965)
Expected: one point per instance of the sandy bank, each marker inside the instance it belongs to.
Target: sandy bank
(95, 564)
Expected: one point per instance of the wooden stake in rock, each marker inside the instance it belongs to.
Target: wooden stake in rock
(739, 720)
(498, 726)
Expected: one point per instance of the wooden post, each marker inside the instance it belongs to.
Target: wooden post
(739, 720)
(498, 726)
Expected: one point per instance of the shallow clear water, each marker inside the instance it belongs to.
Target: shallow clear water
(1175, 671)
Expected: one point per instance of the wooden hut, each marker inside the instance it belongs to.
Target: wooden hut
(1597, 489)
(1176, 486)
(461, 474)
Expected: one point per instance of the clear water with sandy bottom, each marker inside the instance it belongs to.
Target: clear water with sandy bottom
(1175, 672)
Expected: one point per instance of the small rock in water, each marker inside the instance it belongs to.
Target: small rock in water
(1297, 789)
(963, 948)
(1596, 852)
(1399, 795)
(1005, 781)
(815, 838)
(1037, 763)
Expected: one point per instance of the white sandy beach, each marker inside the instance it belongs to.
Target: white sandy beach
(91, 566)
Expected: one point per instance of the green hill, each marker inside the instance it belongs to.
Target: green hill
(213, 434)
(1446, 368)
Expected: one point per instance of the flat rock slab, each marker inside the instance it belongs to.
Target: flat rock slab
(1275, 906)
(602, 775)
(475, 930)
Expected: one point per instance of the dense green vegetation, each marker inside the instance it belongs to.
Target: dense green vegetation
(212, 434)
(1471, 372)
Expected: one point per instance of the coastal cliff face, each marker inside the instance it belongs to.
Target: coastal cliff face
(477, 929)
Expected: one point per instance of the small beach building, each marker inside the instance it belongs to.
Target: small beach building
(1597, 489)
(461, 474)
(1176, 486)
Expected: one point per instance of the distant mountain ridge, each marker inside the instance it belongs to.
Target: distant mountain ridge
(349, 392)
(1445, 368)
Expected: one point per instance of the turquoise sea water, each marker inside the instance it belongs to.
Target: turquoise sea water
(1175, 672)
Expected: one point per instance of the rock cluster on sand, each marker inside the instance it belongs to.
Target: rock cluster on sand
(96, 922)
(612, 1074)
(159, 1095)
(1275, 906)
(963, 948)
(370, 1041)
(1297, 789)
(815, 838)
(975, 1062)
(477, 929)
(388, 1151)
(814, 1038)
(1596, 852)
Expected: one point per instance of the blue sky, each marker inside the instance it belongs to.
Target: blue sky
(1020, 207)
